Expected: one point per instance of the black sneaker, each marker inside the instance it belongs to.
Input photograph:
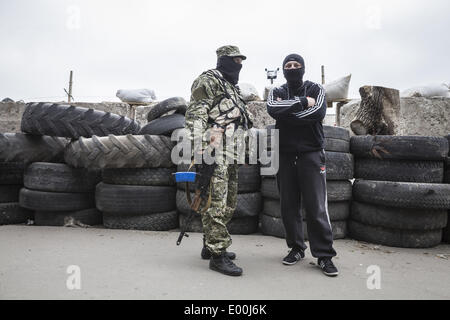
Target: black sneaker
(293, 256)
(327, 266)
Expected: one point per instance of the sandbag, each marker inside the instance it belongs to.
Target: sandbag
(136, 95)
(337, 89)
(427, 91)
(248, 92)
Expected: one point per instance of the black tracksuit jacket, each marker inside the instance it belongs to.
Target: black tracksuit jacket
(300, 127)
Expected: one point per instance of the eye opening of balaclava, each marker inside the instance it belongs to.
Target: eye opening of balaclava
(294, 77)
(229, 69)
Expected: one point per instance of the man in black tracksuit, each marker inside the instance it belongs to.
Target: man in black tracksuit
(299, 107)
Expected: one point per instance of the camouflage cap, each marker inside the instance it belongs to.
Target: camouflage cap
(231, 51)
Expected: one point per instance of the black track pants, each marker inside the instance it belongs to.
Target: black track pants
(301, 180)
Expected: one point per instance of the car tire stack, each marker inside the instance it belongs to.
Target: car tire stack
(248, 207)
(399, 197)
(60, 195)
(339, 168)
(446, 231)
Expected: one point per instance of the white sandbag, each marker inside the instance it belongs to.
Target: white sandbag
(248, 92)
(337, 89)
(136, 95)
(427, 91)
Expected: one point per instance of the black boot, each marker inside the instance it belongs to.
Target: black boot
(206, 255)
(221, 263)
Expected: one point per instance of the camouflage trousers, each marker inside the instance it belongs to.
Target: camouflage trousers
(223, 203)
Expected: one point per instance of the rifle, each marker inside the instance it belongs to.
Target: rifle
(202, 180)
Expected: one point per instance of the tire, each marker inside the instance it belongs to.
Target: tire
(175, 103)
(26, 148)
(243, 225)
(89, 217)
(9, 193)
(337, 145)
(248, 204)
(394, 237)
(269, 188)
(399, 147)
(11, 172)
(139, 176)
(12, 213)
(403, 194)
(246, 225)
(137, 200)
(164, 125)
(249, 179)
(446, 230)
(337, 139)
(58, 177)
(162, 221)
(120, 152)
(339, 166)
(195, 225)
(55, 201)
(274, 227)
(398, 218)
(61, 120)
(399, 170)
(336, 210)
(336, 190)
(336, 133)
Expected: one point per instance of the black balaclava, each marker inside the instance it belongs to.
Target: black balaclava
(294, 77)
(229, 69)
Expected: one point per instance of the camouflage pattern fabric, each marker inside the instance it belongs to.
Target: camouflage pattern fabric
(214, 101)
(209, 105)
(231, 51)
(223, 204)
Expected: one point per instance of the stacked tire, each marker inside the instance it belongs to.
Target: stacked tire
(446, 231)
(399, 196)
(11, 181)
(60, 195)
(17, 150)
(339, 168)
(249, 202)
(165, 117)
(138, 198)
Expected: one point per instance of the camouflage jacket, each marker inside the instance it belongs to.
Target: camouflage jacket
(215, 101)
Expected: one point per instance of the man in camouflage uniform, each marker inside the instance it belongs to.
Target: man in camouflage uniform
(216, 107)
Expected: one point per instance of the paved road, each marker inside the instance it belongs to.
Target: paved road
(123, 264)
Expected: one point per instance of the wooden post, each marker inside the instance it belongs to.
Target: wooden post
(70, 86)
(323, 75)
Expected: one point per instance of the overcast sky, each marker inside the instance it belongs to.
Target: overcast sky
(165, 45)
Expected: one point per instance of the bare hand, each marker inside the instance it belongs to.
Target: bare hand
(311, 101)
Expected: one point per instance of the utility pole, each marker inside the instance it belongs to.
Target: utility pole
(69, 94)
